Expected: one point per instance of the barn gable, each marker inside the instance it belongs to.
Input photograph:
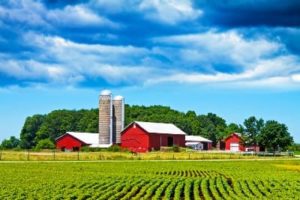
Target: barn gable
(234, 142)
(145, 136)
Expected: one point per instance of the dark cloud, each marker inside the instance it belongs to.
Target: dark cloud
(250, 13)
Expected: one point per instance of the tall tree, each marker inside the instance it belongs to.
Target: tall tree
(275, 136)
(29, 130)
(253, 127)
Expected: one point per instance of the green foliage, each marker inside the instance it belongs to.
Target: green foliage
(295, 147)
(275, 136)
(10, 143)
(114, 148)
(234, 128)
(29, 130)
(211, 126)
(45, 144)
(56, 123)
(252, 130)
(176, 148)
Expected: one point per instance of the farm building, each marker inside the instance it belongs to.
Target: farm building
(111, 123)
(234, 143)
(198, 142)
(147, 136)
(74, 141)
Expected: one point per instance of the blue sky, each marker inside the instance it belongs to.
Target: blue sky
(233, 58)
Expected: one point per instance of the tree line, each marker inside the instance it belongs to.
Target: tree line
(40, 131)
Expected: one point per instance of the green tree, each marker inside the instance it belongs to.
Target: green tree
(275, 136)
(45, 144)
(10, 143)
(253, 128)
(29, 130)
(234, 128)
(219, 124)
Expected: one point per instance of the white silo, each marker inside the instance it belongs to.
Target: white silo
(105, 117)
(118, 118)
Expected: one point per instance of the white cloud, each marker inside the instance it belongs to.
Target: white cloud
(78, 15)
(213, 47)
(296, 77)
(169, 11)
(65, 62)
(25, 11)
(277, 72)
(34, 13)
(161, 11)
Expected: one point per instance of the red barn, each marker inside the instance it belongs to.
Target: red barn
(73, 141)
(147, 136)
(234, 143)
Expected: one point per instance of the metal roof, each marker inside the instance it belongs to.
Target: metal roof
(88, 138)
(105, 92)
(162, 128)
(196, 138)
(92, 139)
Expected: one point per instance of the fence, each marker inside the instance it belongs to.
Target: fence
(93, 156)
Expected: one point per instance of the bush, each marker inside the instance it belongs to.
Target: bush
(45, 144)
(10, 143)
(114, 148)
(176, 148)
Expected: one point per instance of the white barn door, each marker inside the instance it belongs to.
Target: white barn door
(234, 147)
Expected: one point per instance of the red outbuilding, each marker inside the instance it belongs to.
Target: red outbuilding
(234, 143)
(147, 136)
(73, 141)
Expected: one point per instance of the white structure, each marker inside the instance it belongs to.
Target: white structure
(164, 128)
(197, 142)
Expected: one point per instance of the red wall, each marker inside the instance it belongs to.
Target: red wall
(68, 142)
(135, 139)
(234, 138)
(158, 140)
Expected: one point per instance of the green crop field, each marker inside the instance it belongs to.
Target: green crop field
(150, 180)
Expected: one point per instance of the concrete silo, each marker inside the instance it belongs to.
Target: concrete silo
(105, 118)
(118, 118)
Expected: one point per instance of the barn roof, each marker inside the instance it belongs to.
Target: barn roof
(88, 138)
(232, 134)
(196, 138)
(160, 128)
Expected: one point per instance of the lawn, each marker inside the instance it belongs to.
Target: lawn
(150, 180)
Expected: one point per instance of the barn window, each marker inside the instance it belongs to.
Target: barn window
(170, 141)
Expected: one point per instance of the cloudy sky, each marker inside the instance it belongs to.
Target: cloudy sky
(234, 58)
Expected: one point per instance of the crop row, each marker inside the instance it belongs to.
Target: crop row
(203, 188)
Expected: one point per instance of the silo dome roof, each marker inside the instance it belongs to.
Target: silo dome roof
(105, 92)
(118, 98)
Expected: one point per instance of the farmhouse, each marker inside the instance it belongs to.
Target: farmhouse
(234, 143)
(198, 142)
(147, 136)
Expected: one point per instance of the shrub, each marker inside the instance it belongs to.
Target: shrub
(114, 148)
(45, 144)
